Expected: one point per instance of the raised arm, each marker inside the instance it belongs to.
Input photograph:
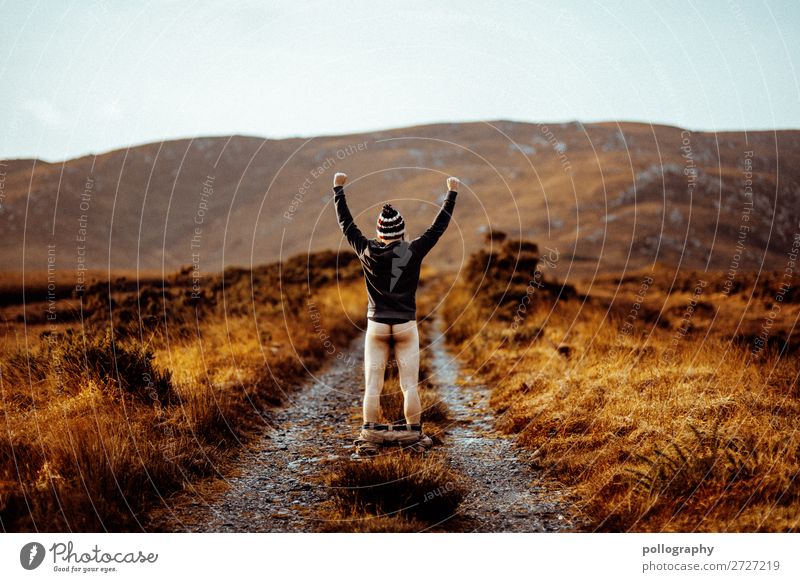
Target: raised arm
(425, 242)
(357, 240)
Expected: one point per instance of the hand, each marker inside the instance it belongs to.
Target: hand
(452, 184)
(339, 179)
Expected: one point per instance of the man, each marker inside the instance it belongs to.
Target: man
(391, 269)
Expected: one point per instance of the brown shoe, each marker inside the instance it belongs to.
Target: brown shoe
(422, 445)
(366, 448)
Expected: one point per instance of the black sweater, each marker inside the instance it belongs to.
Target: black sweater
(392, 270)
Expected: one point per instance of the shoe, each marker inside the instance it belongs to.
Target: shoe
(365, 448)
(422, 444)
(373, 436)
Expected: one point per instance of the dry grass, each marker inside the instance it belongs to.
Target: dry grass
(702, 438)
(100, 425)
(398, 489)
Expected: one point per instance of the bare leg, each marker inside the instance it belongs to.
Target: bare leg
(376, 355)
(406, 348)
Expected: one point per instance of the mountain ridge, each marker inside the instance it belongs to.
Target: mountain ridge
(592, 191)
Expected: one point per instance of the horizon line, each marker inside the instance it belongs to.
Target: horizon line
(617, 122)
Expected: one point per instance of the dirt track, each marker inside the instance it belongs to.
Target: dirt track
(272, 488)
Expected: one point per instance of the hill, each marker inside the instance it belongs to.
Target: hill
(608, 197)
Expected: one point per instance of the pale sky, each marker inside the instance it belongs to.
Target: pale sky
(89, 76)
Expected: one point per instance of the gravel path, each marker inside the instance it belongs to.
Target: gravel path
(273, 489)
(505, 494)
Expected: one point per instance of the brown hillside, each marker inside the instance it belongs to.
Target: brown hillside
(607, 197)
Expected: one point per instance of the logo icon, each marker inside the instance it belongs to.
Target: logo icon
(31, 555)
(400, 257)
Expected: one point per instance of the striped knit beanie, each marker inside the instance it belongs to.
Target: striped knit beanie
(390, 223)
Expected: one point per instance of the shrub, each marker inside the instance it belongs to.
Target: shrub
(117, 365)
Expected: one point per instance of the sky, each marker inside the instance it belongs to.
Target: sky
(95, 75)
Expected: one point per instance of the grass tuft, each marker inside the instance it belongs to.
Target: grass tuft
(396, 484)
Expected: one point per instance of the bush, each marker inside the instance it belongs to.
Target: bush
(117, 365)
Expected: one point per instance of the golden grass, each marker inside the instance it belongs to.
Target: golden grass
(700, 439)
(394, 486)
(99, 427)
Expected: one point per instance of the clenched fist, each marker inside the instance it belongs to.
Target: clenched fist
(339, 179)
(452, 184)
